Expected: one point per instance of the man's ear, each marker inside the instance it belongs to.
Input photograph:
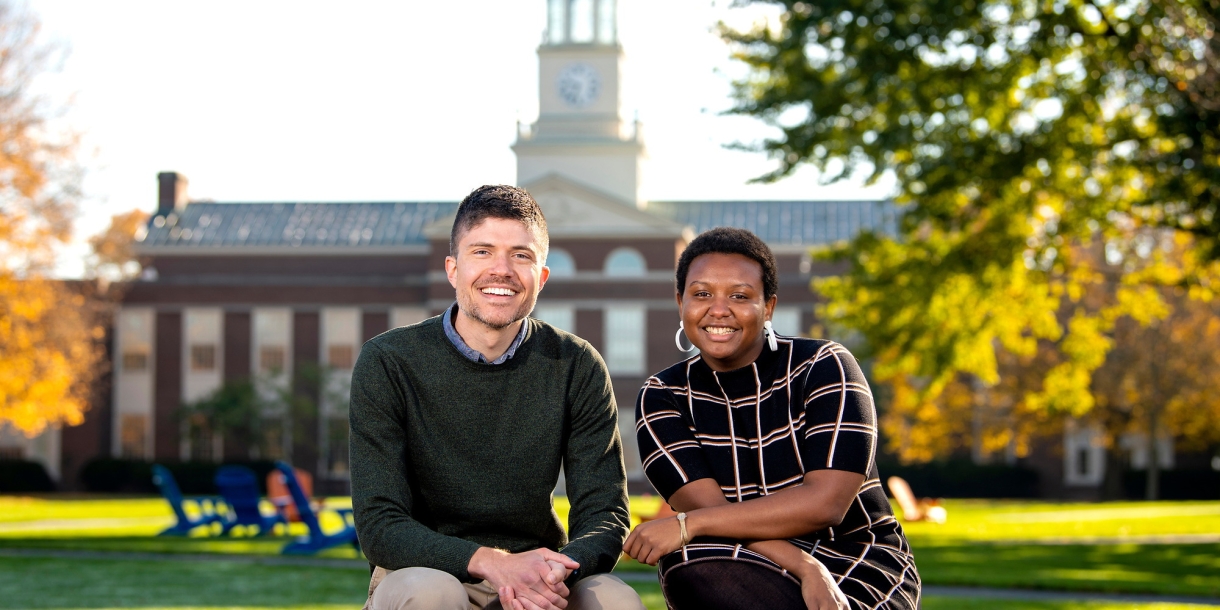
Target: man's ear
(451, 270)
(543, 275)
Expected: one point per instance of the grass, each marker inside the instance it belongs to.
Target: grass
(1007, 520)
(1039, 545)
(30, 582)
(1170, 569)
(959, 603)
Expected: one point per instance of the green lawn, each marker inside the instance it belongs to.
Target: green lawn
(1008, 520)
(1040, 545)
(196, 585)
(1177, 569)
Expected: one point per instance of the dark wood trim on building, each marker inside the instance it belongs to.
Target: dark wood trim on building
(167, 385)
(373, 323)
(237, 368)
(306, 337)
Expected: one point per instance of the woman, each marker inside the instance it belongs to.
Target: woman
(766, 445)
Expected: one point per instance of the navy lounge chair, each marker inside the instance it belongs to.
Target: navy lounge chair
(316, 540)
(238, 486)
(169, 490)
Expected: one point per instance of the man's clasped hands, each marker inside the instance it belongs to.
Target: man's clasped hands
(533, 580)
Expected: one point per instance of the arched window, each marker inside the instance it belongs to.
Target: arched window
(560, 263)
(625, 262)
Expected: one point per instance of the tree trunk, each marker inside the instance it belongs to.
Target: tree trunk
(1152, 485)
(1112, 487)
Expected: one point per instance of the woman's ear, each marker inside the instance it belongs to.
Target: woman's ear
(770, 305)
(678, 298)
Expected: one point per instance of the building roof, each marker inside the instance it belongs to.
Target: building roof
(205, 224)
(399, 224)
(786, 223)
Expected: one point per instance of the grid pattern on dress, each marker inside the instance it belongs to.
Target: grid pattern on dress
(760, 429)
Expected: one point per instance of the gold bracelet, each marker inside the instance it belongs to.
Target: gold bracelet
(682, 528)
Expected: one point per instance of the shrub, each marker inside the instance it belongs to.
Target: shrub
(1192, 484)
(24, 476)
(964, 479)
(135, 476)
(112, 475)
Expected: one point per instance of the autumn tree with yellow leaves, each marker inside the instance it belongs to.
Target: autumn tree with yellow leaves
(50, 339)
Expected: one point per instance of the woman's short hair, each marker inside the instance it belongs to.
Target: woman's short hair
(730, 240)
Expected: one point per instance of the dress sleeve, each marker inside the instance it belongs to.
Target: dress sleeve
(840, 422)
(668, 450)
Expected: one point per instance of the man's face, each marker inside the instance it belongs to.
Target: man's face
(497, 271)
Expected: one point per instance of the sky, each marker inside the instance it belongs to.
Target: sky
(376, 101)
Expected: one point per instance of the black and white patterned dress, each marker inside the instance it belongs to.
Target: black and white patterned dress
(759, 429)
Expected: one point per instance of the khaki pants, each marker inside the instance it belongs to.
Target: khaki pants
(428, 589)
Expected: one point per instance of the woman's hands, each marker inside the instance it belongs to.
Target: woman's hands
(651, 541)
(818, 588)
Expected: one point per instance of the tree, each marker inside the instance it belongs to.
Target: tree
(259, 414)
(114, 257)
(1160, 379)
(1036, 147)
(50, 349)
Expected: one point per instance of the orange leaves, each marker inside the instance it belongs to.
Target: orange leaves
(49, 333)
(48, 354)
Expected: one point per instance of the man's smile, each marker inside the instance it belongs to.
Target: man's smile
(498, 291)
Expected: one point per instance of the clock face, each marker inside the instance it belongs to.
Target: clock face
(578, 85)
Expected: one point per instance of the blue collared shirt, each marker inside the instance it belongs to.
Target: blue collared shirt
(472, 353)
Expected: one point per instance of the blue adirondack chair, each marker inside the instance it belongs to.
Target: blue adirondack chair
(169, 490)
(316, 540)
(239, 487)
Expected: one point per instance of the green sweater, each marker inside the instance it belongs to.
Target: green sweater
(448, 455)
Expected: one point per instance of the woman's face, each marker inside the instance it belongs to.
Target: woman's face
(723, 309)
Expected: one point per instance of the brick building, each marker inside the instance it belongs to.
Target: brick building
(234, 291)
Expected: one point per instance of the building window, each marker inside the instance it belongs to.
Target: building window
(605, 21)
(1084, 456)
(556, 20)
(340, 356)
(581, 20)
(560, 263)
(274, 445)
(133, 436)
(135, 361)
(203, 357)
(625, 331)
(786, 321)
(625, 262)
(337, 446)
(200, 439)
(272, 358)
(404, 316)
(563, 318)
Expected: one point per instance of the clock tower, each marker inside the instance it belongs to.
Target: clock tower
(580, 134)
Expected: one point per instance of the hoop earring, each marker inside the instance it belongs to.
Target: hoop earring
(678, 340)
(769, 333)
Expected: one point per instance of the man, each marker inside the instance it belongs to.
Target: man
(460, 425)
